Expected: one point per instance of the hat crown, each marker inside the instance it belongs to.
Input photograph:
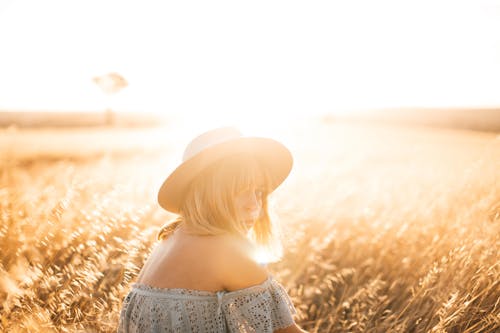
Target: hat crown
(209, 139)
(212, 146)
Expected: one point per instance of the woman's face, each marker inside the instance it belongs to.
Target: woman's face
(248, 205)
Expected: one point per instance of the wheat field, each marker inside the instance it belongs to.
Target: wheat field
(385, 228)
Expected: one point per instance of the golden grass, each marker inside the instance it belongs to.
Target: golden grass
(388, 229)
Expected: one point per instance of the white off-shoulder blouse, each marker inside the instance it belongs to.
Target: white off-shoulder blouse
(261, 308)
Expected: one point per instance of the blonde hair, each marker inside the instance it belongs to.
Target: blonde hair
(208, 206)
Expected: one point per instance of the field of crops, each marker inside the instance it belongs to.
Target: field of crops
(386, 228)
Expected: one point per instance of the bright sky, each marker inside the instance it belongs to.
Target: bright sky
(258, 57)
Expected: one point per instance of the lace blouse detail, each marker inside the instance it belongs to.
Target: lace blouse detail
(262, 308)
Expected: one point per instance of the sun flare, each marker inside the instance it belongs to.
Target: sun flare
(298, 59)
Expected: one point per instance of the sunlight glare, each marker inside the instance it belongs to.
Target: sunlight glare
(336, 57)
(262, 257)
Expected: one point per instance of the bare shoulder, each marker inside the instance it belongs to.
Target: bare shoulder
(236, 267)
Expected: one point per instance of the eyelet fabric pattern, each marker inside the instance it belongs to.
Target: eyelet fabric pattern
(261, 308)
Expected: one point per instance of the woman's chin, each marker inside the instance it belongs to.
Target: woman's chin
(249, 223)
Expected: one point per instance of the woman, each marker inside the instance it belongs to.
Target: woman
(203, 275)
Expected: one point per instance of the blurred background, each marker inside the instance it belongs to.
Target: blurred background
(132, 63)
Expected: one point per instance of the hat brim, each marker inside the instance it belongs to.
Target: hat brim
(271, 154)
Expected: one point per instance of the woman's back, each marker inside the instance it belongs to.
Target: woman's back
(204, 284)
(210, 263)
(184, 261)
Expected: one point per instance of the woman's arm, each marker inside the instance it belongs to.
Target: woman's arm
(290, 329)
(235, 266)
(239, 271)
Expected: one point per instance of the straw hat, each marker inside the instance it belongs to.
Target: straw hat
(214, 145)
